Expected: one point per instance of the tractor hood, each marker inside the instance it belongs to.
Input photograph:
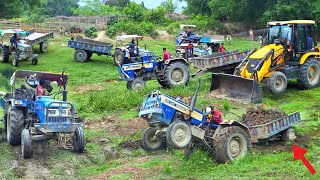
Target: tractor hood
(47, 100)
(260, 53)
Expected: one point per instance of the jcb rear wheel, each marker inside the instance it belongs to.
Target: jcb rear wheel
(150, 141)
(277, 82)
(309, 74)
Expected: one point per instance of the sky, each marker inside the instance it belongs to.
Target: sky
(155, 3)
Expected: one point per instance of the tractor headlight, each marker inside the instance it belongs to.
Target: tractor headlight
(55, 112)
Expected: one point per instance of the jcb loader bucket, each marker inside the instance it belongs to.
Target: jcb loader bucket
(236, 88)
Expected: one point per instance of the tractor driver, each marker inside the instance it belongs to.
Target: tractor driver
(14, 41)
(40, 91)
(213, 115)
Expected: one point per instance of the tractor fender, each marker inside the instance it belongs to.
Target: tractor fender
(307, 55)
(169, 61)
(231, 123)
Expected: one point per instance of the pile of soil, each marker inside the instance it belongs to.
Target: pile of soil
(260, 115)
(131, 144)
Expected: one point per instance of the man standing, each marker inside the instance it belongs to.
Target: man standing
(222, 48)
(251, 34)
(14, 41)
(190, 49)
(209, 50)
(166, 54)
(189, 31)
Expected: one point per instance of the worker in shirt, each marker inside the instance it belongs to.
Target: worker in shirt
(14, 41)
(166, 54)
(222, 48)
(214, 116)
(40, 91)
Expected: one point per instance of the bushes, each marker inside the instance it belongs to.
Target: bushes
(91, 32)
(131, 27)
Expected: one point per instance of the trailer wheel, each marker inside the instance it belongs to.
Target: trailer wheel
(4, 54)
(176, 73)
(15, 61)
(78, 140)
(15, 125)
(80, 55)
(136, 84)
(179, 135)
(35, 60)
(118, 57)
(26, 143)
(44, 46)
(150, 141)
(5, 122)
(288, 135)
(277, 82)
(309, 74)
(232, 143)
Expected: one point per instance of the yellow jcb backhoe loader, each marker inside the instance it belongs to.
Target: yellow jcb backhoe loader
(289, 53)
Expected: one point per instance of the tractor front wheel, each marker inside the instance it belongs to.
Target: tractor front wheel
(80, 55)
(136, 84)
(78, 140)
(309, 74)
(26, 143)
(176, 73)
(15, 125)
(4, 54)
(44, 46)
(232, 143)
(277, 82)
(179, 135)
(150, 141)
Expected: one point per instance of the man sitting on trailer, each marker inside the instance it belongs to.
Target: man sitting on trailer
(213, 116)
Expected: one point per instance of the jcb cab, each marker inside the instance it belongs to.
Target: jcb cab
(289, 52)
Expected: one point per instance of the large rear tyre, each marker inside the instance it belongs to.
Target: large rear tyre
(4, 54)
(118, 57)
(78, 140)
(4, 121)
(136, 84)
(80, 55)
(26, 143)
(162, 83)
(176, 73)
(15, 124)
(44, 46)
(277, 82)
(152, 142)
(309, 74)
(232, 143)
(179, 135)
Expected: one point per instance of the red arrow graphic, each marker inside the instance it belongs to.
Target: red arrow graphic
(298, 153)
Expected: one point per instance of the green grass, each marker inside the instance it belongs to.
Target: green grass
(116, 100)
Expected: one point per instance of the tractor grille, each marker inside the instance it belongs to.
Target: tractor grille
(252, 64)
(58, 120)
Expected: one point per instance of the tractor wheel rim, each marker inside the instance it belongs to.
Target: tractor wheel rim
(137, 86)
(278, 83)
(118, 58)
(180, 135)
(80, 55)
(177, 75)
(1, 54)
(45, 46)
(312, 74)
(234, 147)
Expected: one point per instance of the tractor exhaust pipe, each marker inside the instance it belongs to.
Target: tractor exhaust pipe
(194, 97)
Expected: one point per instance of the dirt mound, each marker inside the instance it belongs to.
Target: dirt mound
(89, 87)
(101, 36)
(131, 144)
(118, 126)
(164, 36)
(260, 115)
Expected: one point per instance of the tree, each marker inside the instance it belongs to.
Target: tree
(197, 7)
(59, 7)
(135, 12)
(169, 6)
(15, 8)
(119, 3)
(96, 8)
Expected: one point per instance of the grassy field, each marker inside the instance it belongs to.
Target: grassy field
(110, 111)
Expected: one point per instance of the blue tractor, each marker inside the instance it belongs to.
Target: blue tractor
(176, 124)
(28, 117)
(168, 73)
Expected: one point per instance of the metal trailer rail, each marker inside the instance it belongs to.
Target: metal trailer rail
(37, 38)
(217, 62)
(268, 130)
(91, 46)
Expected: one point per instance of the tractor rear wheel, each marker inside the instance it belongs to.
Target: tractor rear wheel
(136, 84)
(179, 135)
(78, 140)
(35, 60)
(26, 143)
(309, 74)
(277, 82)
(152, 142)
(4, 54)
(232, 143)
(44, 46)
(15, 125)
(162, 83)
(80, 55)
(5, 122)
(118, 57)
(176, 73)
